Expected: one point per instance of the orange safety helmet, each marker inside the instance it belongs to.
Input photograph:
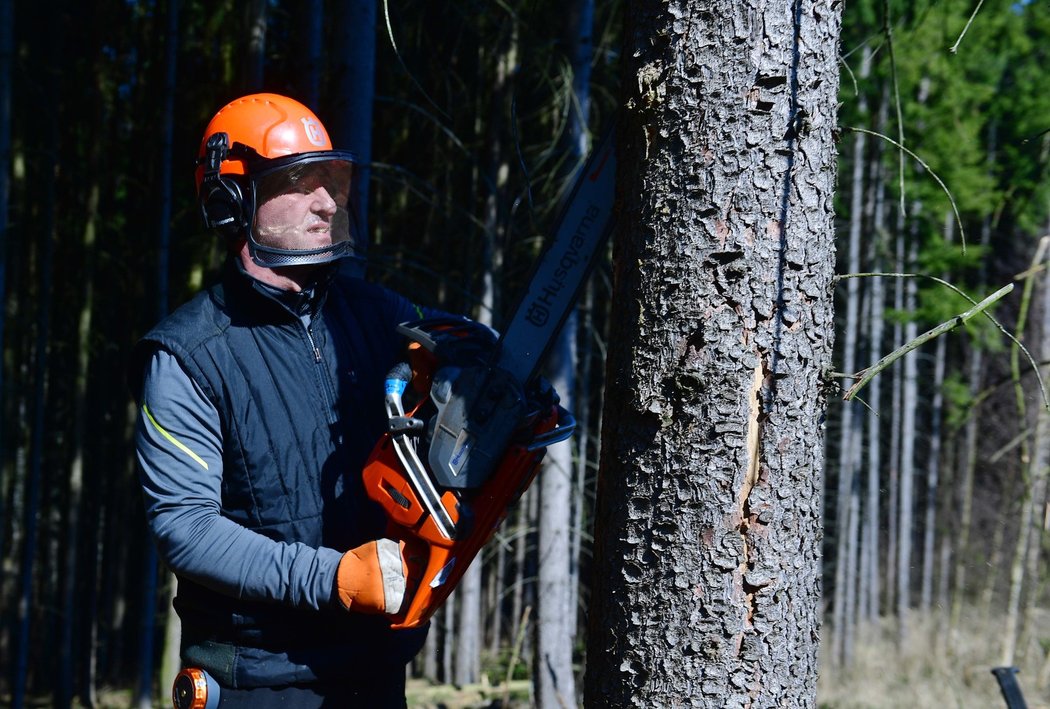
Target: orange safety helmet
(268, 138)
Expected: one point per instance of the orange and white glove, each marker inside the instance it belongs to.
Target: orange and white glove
(372, 578)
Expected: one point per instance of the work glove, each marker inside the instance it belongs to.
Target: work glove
(373, 578)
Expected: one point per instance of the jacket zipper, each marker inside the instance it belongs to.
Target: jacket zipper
(322, 379)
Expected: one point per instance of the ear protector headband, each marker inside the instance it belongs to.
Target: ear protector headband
(221, 198)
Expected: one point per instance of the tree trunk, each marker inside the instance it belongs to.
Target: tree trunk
(1038, 475)
(7, 49)
(498, 586)
(468, 629)
(48, 169)
(448, 635)
(521, 539)
(877, 299)
(708, 526)
(355, 73)
(896, 399)
(906, 501)
(170, 654)
(555, 684)
(64, 694)
(255, 56)
(555, 619)
(308, 75)
(1034, 460)
(840, 646)
(968, 467)
(933, 459)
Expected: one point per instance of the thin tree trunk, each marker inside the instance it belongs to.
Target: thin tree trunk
(965, 495)
(851, 326)
(255, 56)
(144, 691)
(852, 542)
(448, 637)
(581, 508)
(308, 78)
(170, 660)
(944, 553)
(467, 668)
(1038, 476)
(896, 403)
(40, 379)
(877, 298)
(7, 50)
(967, 464)
(521, 537)
(64, 695)
(933, 459)
(1017, 568)
(41, 353)
(355, 71)
(172, 625)
(554, 680)
(498, 586)
(528, 574)
(555, 684)
(432, 648)
(906, 504)
(1030, 458)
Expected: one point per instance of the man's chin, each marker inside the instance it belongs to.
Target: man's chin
(301, 272)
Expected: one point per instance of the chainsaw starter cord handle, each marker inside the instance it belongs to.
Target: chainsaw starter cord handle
(398, 377)
(396, 381)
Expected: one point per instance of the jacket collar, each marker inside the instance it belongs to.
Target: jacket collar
(254, 300)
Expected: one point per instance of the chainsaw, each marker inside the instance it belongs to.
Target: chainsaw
(480, 419)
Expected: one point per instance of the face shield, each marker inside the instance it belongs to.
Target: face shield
(303, 209)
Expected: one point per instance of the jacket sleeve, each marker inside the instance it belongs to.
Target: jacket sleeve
(179, 445)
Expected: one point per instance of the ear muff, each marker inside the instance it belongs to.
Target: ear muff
(221, 198)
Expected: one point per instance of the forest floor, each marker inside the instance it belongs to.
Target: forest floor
(933, 671)
(928, 672)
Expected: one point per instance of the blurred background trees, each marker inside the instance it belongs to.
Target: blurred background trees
(935, 495)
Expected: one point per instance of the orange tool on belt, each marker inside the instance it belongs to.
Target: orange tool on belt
(448, 469)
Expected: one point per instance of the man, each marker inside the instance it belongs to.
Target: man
(259, 403)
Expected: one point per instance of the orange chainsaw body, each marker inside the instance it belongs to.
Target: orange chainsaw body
(436, 563)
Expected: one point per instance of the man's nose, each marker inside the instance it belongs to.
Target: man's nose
(323, 203)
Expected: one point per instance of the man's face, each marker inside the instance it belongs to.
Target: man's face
(304, 207)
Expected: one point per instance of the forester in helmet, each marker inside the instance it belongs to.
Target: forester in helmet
(259, 402)
(267, 172)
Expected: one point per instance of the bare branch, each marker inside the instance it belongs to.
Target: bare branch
(955, 47)
(951, 199)
(868, 374)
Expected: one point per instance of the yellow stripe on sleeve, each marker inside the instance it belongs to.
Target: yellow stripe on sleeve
(178, 444)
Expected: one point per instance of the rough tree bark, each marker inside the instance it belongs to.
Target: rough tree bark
(707, 569)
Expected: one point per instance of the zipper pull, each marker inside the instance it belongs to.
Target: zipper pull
(317, 350)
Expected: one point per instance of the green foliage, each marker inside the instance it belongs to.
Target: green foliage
(958, 400)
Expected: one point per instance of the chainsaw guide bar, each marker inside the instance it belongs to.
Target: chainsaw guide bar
(448, 470)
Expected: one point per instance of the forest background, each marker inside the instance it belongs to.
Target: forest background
(469, 116)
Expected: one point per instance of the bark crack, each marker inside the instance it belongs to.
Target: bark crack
(751, 478)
